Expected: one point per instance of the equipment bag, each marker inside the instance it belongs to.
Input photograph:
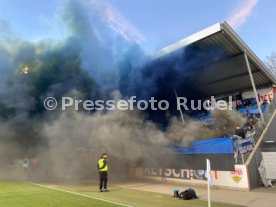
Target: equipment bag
(188, 194)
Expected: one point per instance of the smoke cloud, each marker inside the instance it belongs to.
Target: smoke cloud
(223, 125)
(96, 57)
(241, 14)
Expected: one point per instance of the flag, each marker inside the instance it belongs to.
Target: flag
(209, 180)
(208, 172)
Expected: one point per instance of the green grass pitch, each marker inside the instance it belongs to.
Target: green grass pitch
(20, 194)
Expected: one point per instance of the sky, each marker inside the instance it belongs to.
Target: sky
(156, 23)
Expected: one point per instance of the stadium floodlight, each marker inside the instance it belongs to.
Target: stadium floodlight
(25, 70)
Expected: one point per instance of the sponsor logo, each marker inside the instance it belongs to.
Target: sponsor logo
(168, 173)
(237, 175)
(199, 174)
(177, 173)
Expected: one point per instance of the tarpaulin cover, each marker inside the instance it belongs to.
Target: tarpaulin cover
(219, 151)
(253, 110)
(209, 146)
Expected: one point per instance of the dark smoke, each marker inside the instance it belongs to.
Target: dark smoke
(86, 63)
(94, 59)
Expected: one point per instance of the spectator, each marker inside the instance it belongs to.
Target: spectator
(240, 132)
(264, 105)
(25, 166)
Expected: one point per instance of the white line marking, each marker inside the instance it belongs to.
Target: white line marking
(80, 194)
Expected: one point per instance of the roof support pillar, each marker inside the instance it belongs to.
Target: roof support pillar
(180, 110)
(254, 86)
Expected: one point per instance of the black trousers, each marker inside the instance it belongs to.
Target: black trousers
(103, 180)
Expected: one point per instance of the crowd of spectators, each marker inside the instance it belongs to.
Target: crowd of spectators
(243, 138)
(242, 135)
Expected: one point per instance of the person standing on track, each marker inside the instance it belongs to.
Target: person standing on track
(103, 168)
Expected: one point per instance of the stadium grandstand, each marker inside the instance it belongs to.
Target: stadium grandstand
(216, 62)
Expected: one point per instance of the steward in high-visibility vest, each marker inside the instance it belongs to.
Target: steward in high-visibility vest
(103, 168)
(102, 165)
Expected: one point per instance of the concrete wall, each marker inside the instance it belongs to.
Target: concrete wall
(271, 132)
(253, 174)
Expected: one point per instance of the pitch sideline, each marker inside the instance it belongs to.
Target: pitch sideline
(80, 194)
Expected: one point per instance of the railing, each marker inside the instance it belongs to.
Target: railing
(259, 127)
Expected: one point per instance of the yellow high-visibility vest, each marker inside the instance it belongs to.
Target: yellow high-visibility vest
(101, 164)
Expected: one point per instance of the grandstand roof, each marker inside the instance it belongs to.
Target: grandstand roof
(227, 73)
